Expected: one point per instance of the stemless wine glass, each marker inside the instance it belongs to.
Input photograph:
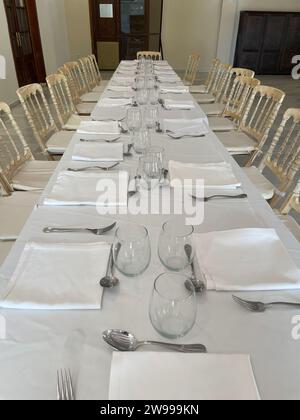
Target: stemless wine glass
(140, 83)
(175, 247)
(134, 120)
(149, 172)
(151, 117)
(153, 96)
(173, 306)
(132, 250)
(142, 96)
(142, 141)
(160, 154)
(150, 82)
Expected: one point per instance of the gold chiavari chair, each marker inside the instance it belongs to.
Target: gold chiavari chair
(101, 84)
(192, 69)
(259, 116)
(217, 86)
(18, 168)
(282, 159)
(292, 205)
(153, 55)
(218, 108)
(90, 75)
(81, 83)
(83, 108)
(63, 103)
(204, 89)
(36, 108)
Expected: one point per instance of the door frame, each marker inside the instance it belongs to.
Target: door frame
(35, 35)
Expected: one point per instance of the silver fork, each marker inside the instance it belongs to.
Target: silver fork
(97, 232)
(213, 197)
(89, 168)
(261, 307)
(65, 389)
(99, 141)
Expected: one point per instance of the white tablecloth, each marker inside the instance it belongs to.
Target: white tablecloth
(37, 344)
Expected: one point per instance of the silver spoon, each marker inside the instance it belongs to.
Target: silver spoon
(199, 286)
(125, 342)
(110, 281)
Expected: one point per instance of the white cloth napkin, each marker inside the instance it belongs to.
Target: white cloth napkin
(98, 152)
(122, 81)
(169, 78)
(178, 128)
(215, 175)
(181, 377)
(99, 127)
(101, 113)
(125, 89)
(101, 189)
(246, 260)
(173, 89)
(58, 277)
(112, 102)
(173, 104)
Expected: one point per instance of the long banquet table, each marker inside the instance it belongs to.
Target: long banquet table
(38, 342)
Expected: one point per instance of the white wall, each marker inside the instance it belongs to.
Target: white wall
(191, 26)
(230, 20)
(53, 27)
(8, 86)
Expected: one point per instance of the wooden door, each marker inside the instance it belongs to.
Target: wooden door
(267, 41)
(25, 40)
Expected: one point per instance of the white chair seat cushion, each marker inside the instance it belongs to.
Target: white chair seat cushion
(100, 88)
(221, 124)
(74, 122)
(14, 212)
(292, 225)
(91, 97)
(237, 143)
(58, 143)
(85, 108)
(263, 185)
(206, 98)
(213, 109)
(33, 175)
(202, 89)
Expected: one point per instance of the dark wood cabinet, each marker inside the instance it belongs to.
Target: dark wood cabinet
(121, 28)
(267, 41)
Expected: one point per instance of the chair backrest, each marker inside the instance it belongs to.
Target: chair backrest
(14, 151)
(229, 82)
(283, 155)
(89, 72)
(192, 69)
(38, 113)
(63, 70)
(78, 77)
(154, 55)
(212, 74)
(61, 97)
(95, 67)
(239, 96)
(261, 113)
(219, 84)
(293, 202)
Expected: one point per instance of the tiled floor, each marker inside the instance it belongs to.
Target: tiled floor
(285, 83)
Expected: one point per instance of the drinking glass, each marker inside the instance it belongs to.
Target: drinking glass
(151, 117)
(140, 82)
(149, 172)
(175, 247)
(173, 306)
(142, 96)
(159, 154)
(134, 120)
(142, 141)
(132, 250)
(150, 82)
(153, 96)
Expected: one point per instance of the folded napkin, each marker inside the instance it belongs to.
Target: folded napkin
(169, 78)
(246, 260)
(128, 63)
(178, 128)
(97, 152)
(58, 277)
(126, 72)
(124, 89)
(112, 102)
(174, 89)
(102, 113)
(99, 127)
(181, 377)
(101, 189)
(173, 104)
(215, 175)
(122, 81)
